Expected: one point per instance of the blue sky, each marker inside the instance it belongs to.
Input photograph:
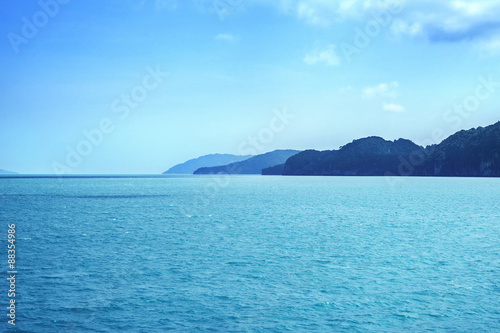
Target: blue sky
(136, 86)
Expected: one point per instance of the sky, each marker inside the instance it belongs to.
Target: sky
(137, 86)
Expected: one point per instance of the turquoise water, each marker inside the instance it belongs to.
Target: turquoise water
(253, 254)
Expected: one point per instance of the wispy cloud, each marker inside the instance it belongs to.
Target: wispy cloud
(384, 90)
(313, 13)
(435, 21)
(445, 20)
(328, 56)
(227, 38)
(393, 107)
(327, 12)
(449, 20)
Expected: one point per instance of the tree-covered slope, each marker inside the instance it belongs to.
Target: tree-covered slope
(253, 165)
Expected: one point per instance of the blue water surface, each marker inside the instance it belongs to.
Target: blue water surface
(253, 254)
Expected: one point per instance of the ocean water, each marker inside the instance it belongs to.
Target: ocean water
(253, 254)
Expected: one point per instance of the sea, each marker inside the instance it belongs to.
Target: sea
(250, 254)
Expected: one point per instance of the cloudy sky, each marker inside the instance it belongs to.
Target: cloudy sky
(136, 86)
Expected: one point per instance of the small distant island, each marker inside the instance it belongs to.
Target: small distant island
(5, 172)
(467, 153)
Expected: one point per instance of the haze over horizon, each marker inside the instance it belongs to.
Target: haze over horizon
(138, 86)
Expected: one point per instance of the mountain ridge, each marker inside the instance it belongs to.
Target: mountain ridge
(210, 160)
(474, 152)
(6, 172)
(252, 166)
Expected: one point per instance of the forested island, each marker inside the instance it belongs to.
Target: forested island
(467, 153)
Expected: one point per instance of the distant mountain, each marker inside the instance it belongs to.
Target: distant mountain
(5, 172)
(472, 153)
(192, 165)
(253, 165)
(372, 156)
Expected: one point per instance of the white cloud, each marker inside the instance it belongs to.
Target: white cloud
(313, 13)
(327, 12)
(436, 21)
(227, 38)
(327, 56)
(473, 8)
(393, 107)
(400, 27)
(449, 20)
(384, 90)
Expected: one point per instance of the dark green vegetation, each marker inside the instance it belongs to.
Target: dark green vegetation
(473, 153)
(275, 170)
(364, 157)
